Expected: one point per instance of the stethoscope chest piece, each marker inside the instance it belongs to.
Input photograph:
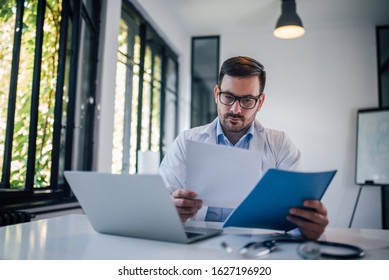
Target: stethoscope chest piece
(309, 250)
(258, 249)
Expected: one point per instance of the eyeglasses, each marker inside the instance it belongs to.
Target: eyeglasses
(246, 102)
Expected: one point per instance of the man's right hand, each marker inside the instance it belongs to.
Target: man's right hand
(186, 203)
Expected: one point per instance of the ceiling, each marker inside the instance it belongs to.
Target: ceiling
(212, 16)
(209, 17)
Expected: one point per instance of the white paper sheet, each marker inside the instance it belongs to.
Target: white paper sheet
(222, 176)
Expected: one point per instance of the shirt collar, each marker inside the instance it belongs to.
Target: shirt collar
(221, 137)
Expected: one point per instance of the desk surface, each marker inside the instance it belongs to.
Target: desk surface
(72, 237)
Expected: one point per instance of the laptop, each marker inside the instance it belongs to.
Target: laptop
(132, 205)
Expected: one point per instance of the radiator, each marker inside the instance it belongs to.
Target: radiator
(14, 217)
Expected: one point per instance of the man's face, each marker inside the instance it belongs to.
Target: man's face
(234, 118)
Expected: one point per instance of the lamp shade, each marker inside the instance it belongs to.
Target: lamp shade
(289, 25)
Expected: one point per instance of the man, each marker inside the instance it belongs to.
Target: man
(239, 95)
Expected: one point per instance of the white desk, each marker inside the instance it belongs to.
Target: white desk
(72, 237)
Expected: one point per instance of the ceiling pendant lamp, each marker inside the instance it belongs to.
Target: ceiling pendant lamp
(289, 25)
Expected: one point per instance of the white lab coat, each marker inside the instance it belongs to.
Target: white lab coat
(275, 147)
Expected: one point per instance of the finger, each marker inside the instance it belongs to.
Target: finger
(186, 211)
(184, 193)
(317, 205)
(305, 224)
(189, 211)
(184, 203)
(312, 216)
(308, 229)
(188, 203)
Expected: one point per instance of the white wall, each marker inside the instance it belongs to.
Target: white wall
(315, 86)
(106, 84)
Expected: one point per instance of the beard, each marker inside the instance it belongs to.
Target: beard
(233, 122)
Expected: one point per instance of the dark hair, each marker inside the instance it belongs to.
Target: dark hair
(243, 66)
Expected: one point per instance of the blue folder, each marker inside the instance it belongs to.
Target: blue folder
(269, 202)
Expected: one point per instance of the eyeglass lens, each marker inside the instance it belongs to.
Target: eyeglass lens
(245, 102)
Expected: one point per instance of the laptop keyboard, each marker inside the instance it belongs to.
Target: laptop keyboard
(192, 234)
(195, 231)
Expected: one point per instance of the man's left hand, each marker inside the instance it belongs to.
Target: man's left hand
(312, 222)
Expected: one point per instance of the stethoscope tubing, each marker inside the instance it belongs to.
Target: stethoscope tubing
(271, 244)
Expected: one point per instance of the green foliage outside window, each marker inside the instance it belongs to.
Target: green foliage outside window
(48, 78)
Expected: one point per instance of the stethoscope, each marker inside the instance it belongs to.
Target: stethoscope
(305, 249)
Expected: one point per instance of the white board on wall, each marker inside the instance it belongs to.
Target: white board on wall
(372, 158)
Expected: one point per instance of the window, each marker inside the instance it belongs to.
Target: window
(40, 79)
(146, 93)
(205, 70)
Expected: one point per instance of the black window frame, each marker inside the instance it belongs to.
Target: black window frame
(58, 191)
(148, 35)
(382, 64)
